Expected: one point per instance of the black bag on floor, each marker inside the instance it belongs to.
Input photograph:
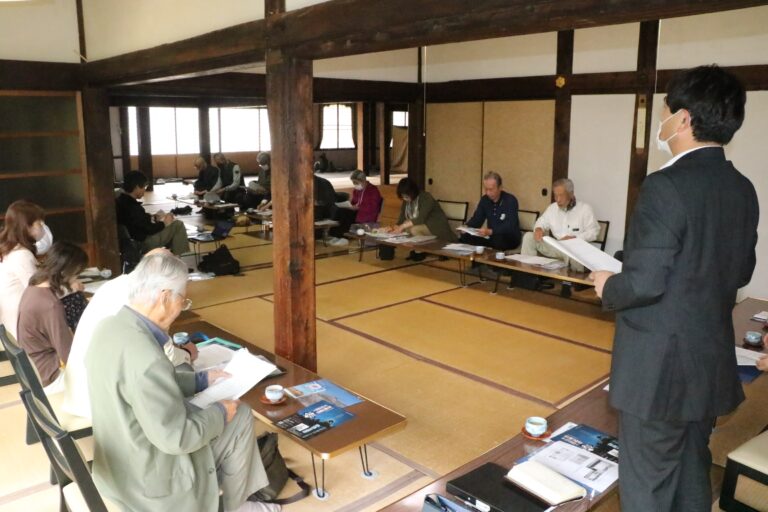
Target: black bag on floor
(386, 252)
(278, 473)
(524, 280)
(220, 262)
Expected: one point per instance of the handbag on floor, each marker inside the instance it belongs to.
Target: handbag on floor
(278, 473)
(386, 252)
(220, 262)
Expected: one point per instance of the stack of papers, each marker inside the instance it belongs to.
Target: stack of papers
(586, 254)
(246, 369)
(212, 356)
(760, 317)
(462, 249)
(420, 239)
(471, 231)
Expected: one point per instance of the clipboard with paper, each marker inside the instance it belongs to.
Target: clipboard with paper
(585, 253)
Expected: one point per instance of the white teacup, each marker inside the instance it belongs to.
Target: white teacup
(105, 273)
(274, 393)
(536, 426)
(479, 249)
(500, 255)
(360, 232)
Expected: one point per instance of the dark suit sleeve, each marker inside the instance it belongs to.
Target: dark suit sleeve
(478, 217)
(754, 216)
(655, 238)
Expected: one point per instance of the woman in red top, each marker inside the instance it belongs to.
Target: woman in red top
(363, 208)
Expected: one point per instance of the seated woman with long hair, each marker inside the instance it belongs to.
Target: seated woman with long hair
(43, 330)
(22, 227)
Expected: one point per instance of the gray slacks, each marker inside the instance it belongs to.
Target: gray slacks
(238, 461)
(173, 236)
(664, 465)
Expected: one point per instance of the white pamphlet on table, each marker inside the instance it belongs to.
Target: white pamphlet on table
(471, 231)
(586, 254)
(246, 369)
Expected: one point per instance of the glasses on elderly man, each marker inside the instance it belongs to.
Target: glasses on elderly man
(186, 305)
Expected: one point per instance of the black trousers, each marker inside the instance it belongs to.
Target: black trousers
(345, 217)
(664, 465)
(501, 242)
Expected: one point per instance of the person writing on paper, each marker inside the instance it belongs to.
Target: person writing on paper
(363, 207)
(690, 247)
(497, 209)
(564, 219)
(151, 231)
(108, 300)
(208, 178)
(420, 214)
(153, 450)
(230, 178)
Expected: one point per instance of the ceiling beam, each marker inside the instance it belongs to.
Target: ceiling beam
(347, 27)
(226, 48)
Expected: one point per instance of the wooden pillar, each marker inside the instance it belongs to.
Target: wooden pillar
(364, 139)
(125, 140)
(383, 136)
(145, 145)
(100, 172)
(646, 70)
(562, 104)
(204, 122)
(417, 143)
(289, 100)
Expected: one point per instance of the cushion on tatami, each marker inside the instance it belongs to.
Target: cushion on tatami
(335, 300)
(537, 365)
(577, 321)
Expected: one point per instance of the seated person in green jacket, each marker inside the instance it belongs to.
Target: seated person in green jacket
(420, 214)
(153, 449)
(150, 231)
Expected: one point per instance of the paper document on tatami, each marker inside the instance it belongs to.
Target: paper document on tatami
(586, 254)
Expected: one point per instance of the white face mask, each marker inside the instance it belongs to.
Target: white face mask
(663, 145)
(45, 241)
(358, 187)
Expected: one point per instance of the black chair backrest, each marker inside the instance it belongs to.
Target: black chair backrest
(10, 347)
(66, 460)
(602, 237)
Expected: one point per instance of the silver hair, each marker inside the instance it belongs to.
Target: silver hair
(565, 183)
(493, 175)
(155, 273)
(357, 175)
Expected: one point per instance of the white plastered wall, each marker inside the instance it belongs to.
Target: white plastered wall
(394, 66)
(598, 160)
(39, 31)
(114, 27)
(604, 49)
(528, 55)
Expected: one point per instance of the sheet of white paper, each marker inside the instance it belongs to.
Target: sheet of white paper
(246, 369)
(746, 357)
(471, 231)
(586, 254)
(212, 356)
(344, 204)
(326, 222)
(761, 316)
(460, 247)
(579, 465)
(530, 260)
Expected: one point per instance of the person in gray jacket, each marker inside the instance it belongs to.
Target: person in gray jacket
(153, 449)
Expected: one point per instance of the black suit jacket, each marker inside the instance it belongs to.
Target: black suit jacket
(207, 178)
(691, 245)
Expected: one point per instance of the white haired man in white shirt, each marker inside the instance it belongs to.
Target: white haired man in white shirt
(564, 219)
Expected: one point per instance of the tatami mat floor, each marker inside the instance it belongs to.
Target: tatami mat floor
(464, 366)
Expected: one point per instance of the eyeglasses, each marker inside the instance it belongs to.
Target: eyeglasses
(186, 305)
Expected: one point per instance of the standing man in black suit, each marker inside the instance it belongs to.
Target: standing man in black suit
(691, 246)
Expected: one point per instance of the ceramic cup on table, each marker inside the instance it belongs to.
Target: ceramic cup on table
(479, 249)
(500, 255)
(536, 426)
(274, 393)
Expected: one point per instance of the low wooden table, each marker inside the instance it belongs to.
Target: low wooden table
(591, 409)
(372, 421)
(561, 274)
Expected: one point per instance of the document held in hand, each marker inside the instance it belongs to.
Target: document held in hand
(246, 369)
(586, 254)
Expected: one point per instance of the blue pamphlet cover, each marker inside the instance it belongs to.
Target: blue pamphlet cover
(323, 390)
(748, 373)
(314, 419)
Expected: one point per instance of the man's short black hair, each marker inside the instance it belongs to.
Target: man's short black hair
(715, 99)
(133, 179)
(407, 187)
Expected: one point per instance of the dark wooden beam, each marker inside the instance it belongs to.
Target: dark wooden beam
(348, 27)
(417, 143)
(232, 46)
(289, 94)
(125, 141)
(145, 145)
(272, 7)
(48, 76)
(383, 136)
(204, 124)
(365, 140)
(81, 31)
(98, 148)
(646, 71)
(492, 89)
(560, 152)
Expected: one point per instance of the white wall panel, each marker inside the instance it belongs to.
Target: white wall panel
(39, 31)
(493, 58)
(114, 27)
(730, 38)
(601, 134)
(604, 49)
(395, 66)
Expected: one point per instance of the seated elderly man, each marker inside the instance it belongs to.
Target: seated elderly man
(151, 231)
(108, 300)
(564, 219)
(208, 178)
(154, 450)
(497, 209)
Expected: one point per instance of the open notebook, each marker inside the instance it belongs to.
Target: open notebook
(544, 483)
